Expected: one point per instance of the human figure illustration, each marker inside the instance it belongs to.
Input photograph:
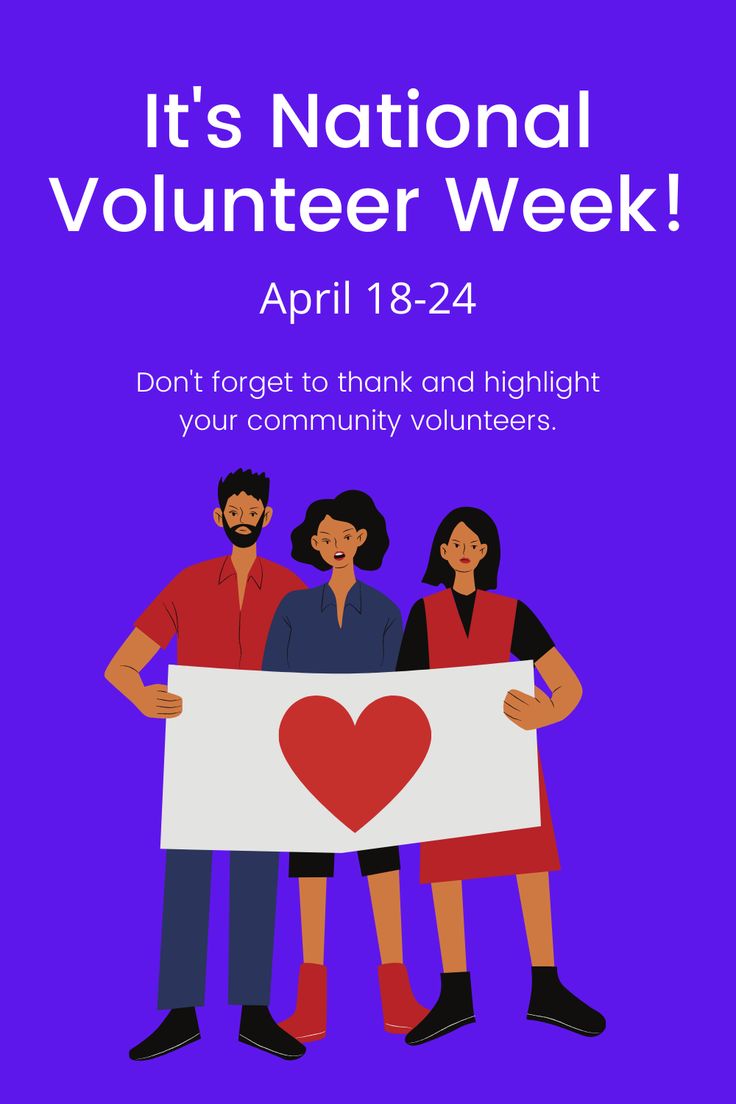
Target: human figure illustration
(464, 625)
(220, 611)
(343, 626)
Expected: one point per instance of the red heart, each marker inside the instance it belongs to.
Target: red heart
(354, 770)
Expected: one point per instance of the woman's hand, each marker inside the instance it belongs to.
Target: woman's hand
(529, 713)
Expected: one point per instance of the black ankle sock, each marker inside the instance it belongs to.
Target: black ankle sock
(456, 987)
(544, 979)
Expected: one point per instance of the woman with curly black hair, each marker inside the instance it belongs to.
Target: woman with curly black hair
(343, 626)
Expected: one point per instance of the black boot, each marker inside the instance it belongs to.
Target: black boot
(454, 1009)
(259, 1029)
(552, 1003)
(175, 1031)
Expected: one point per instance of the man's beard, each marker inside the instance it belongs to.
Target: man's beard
(244, 540)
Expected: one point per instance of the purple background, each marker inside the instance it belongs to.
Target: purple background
(610, 526)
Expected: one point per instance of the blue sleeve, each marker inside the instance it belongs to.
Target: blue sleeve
(276, 652)
(392, 635)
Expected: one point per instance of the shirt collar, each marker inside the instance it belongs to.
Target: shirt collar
(354, 597)
(256, 572)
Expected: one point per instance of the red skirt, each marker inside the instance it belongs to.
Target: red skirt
(523, 851)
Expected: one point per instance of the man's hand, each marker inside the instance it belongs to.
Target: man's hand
(529, 713)
(156, 701)
(124, 673)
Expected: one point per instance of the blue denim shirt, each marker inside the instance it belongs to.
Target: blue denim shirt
(305, 635)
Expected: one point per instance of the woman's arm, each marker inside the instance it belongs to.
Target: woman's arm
(541, 710)
(276, 652)
(392, 637)
(414, 650)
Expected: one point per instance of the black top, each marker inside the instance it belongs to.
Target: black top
(530, 639)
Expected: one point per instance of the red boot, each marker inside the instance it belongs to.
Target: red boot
(309, 1019)
(401, 1010)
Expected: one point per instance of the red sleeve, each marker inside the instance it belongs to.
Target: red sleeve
(283, 580)
(160, 621)
(295, 583)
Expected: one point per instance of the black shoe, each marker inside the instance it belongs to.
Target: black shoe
(259, 1029)
(552, 1003)
(178, 1029)
(454, 1009)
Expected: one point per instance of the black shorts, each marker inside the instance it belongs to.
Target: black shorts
(305, 864)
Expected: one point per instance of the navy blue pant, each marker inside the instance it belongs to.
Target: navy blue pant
(253, 880)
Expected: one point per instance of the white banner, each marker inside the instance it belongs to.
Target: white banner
(265, 761)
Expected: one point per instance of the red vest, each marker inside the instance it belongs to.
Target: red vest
(491, 630)
(521, 851)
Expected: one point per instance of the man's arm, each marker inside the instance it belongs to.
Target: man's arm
(124, 673)
(529, 713)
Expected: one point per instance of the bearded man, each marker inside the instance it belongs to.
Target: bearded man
(220, 611)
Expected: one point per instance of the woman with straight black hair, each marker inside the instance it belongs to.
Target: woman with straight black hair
(343, 626)
(464, 625)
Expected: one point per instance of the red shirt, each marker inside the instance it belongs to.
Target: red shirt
(202, 607)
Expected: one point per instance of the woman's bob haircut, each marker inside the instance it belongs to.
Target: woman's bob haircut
(439, 572)
(354, 507)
